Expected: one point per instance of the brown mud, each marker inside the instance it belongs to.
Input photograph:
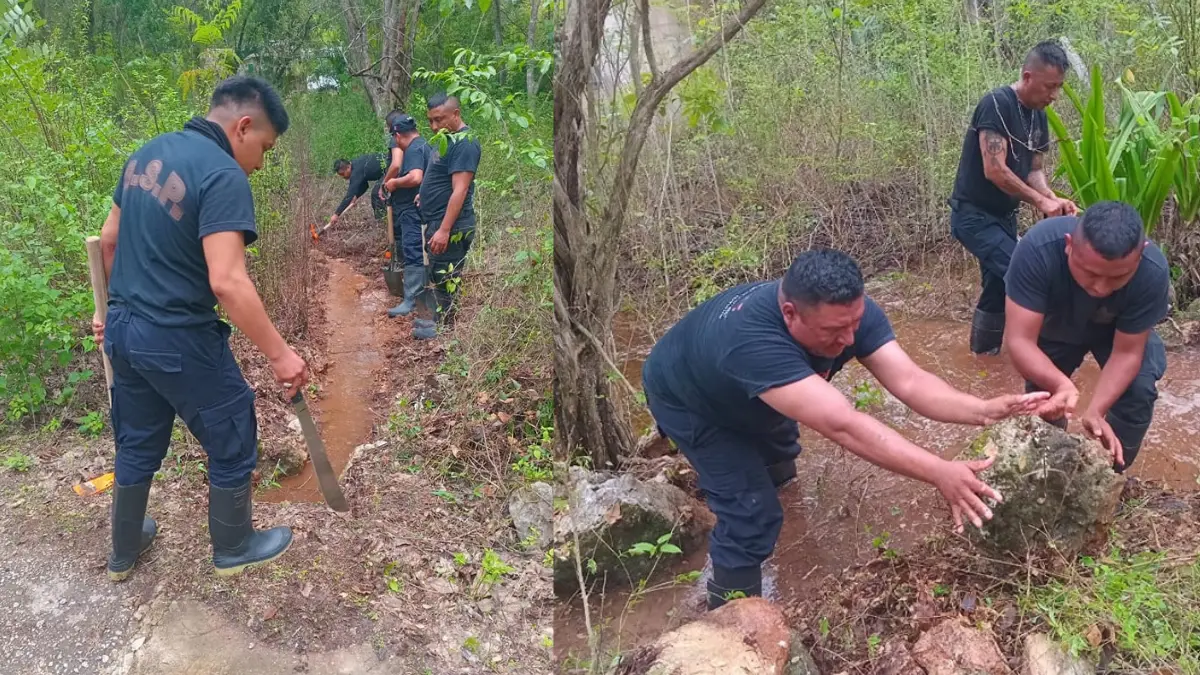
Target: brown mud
(343, 409)
(843, 511)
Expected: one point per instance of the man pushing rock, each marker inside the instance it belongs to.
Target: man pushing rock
(730, 381)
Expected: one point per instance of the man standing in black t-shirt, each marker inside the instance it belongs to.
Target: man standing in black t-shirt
(406, 215)
(174, 246)
(1000, 167)
(447, 201)
(358, 173)
(1091, 284)
(730, 381)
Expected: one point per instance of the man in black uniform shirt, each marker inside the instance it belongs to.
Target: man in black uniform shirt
(1000, 167)
(359, 173)
(730, 381)
(1091, 284)
(407, 223)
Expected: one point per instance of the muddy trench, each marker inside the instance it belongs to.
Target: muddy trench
(842, 508)
(355, 336)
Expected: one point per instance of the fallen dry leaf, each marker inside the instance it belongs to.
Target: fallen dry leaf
(271, 613)
(306, 591)
(613, 515)
(1094, 636)
(504, 417)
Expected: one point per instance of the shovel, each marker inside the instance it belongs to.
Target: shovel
(326, 479)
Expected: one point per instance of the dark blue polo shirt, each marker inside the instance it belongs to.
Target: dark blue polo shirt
(177, 189)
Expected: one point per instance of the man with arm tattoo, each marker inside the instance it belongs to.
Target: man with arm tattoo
(1002, 166)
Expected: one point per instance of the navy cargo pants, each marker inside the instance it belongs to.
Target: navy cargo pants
(445, 273)
(406, 226)
(1130, 416)
(740, 476)
(991, 239)
(160, 372)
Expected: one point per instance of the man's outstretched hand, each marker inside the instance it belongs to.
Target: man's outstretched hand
(1061, 404)
(1003, 407)
(1097, 427)
(962, 490)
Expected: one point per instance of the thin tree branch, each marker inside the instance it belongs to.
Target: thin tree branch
(646, 45)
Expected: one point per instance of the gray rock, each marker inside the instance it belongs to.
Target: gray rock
(1043, 656)
(1059, 489)
(532, 511)
(610, 514)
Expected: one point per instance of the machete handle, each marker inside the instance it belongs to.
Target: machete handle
(298, 398)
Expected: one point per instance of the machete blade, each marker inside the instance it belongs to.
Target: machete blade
(326, 479)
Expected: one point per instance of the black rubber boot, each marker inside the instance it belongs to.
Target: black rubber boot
(731, 583)
(782, 473)
(236, 544)
(987, 333)
(414, 281)
(132, 530)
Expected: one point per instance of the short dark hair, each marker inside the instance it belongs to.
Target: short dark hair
(391, 118)
(247, 90)
(340, 164)
(1113, 229)
(440, 99)
(1047, 53)
(824, 276)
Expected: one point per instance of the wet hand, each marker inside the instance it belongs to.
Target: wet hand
(1061, 404)
(290, 371)
(98, 329)
(1003, 407)
(439, 242)
(962, 490)
(1097, 427)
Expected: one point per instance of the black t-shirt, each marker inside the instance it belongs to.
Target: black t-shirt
(723, 354)
(1027, 133)
(175, 190)
(363, 170)
(462, 154)
(1039, 280)
(415, 157)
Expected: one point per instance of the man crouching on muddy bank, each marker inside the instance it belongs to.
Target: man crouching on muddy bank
(1091, 284)
(174, 246)
(730, 381)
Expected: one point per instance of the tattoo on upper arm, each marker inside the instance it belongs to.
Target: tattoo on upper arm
(994, 143)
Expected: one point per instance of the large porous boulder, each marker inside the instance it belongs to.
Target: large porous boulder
(610, 514)
(953, 648)
(1059, 489)
(748, 636)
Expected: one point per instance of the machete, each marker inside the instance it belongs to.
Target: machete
(316, 450)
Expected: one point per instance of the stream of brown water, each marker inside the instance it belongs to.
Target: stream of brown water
(342, 412)
(840, 504)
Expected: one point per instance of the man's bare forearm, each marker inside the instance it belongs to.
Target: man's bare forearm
(1115, 378)
(1033, 364)
(930, 396)
(407, 181)
(882, 446)
(245, 309)
(1037, 180)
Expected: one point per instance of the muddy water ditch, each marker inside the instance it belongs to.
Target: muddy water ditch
(357, 328)
(843, 511)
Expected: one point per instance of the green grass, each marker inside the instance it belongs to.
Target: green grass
(1150, 602)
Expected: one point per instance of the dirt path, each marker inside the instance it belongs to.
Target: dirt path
(395, 586)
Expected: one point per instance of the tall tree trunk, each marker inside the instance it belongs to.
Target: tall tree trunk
(590, 418)
(388, 79)
(531, 75)
(498, 35)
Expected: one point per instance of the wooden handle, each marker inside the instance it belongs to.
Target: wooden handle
(391, 232)
(100, 297)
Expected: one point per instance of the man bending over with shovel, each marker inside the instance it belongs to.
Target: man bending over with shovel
(730, 381)
(174, 245)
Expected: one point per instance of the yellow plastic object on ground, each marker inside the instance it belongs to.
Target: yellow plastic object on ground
(96, 485)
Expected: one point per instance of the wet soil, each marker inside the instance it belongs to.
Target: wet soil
(843, 511)
(357, 327)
